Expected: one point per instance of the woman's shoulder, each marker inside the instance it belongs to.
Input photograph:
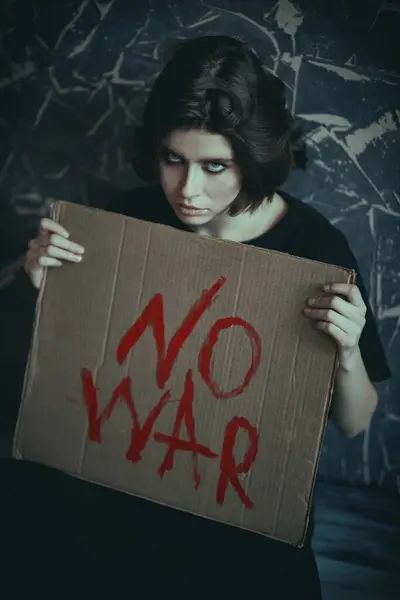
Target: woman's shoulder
(321, 240)
(313, 235)
(310, 218)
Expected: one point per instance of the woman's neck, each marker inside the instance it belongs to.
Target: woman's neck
(246, 226)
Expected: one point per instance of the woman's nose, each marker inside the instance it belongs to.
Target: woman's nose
(191, 183)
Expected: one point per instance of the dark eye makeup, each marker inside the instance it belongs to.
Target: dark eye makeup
(214, 167)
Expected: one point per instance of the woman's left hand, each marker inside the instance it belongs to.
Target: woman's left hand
(343, 319)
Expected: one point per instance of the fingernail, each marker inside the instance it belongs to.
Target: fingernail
(78, 258)
(80, 249)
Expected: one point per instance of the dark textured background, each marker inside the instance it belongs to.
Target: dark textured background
(74, 78)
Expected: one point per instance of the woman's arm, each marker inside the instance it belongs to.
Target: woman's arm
(354, 398)
(343, 316)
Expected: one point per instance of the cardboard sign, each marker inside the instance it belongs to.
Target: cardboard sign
(181, 369)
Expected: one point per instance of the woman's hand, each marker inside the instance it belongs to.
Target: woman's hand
(343, 319)
(49, 249)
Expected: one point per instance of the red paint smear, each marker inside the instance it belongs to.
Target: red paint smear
(153, 316)
(140, 435)
(206, 362)
(229, 469)
(184, 414)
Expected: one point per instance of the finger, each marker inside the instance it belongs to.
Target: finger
(335, 332)
(331, 316)
(61, 242)
(43, 240)
(48, 261)
(341, 306)
(50, 225)
(59, 253)
(350, 290)
(39, 242)
(35, 261)
(54, 239)
(34, 244)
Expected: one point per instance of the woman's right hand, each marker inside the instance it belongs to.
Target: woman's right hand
(50, 248)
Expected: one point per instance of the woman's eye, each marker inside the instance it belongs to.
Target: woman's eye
(215, 167)
(171, 158)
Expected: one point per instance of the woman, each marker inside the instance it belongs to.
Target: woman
(216, 143)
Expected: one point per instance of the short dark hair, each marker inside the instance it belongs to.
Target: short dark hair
(219, 85)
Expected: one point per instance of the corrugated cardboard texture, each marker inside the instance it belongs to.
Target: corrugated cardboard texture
(258, 450)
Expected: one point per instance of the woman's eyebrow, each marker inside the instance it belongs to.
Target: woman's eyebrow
(217, 159)
(209, 159)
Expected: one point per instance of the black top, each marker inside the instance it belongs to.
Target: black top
(111, 532)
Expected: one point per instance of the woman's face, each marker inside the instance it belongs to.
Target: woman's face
(198, 175)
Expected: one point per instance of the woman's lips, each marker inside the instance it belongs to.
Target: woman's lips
(190, 209)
